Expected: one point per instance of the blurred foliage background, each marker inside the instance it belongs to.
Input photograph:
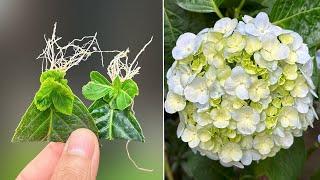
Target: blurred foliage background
(301, 161)
(120, 24)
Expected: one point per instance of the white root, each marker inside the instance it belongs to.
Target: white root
(55, 56)
(124, 69)
(133, 162)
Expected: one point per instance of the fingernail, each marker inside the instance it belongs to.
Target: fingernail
(81, 143)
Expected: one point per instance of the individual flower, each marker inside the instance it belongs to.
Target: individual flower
(238, 83)
(197, 91)
(261, 27)
(263, 144)
(259, 90)
(174, 103)
(186, 45)
(225, 26)
(230, 152)
(220, 117)
(247, 118)
(289, 117)
(190, 136)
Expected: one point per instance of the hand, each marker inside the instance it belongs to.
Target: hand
(77, 159)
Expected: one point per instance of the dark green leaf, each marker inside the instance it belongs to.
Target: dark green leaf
(51, 125)
(201, 6)
(115, 124)
(315, 73)
(301, 16)
(287, 164)
(95, 76)
(316, 175)
(94, 90)
(205, 168)
(130, 87)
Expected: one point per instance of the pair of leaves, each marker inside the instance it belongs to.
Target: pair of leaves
(111, 107)
(52, 125)
(119, 94)
(54, 91)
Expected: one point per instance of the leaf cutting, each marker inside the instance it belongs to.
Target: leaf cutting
(112, 108)
(55, 110)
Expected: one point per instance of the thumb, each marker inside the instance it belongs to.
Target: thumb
(80, 158)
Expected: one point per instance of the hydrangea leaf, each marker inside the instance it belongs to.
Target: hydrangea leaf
(200, 6)
(54, 90)
(202, 167)
(130, 87)
(123, 100)
(57, 75)
(94, 90)
(51, 125)
(115, 124)
(62, 99)
(95, 76)
(287, 164)
(42, 98)
(299, 15)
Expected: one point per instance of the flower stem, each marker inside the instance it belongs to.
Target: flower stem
(216, 9)
(167, 167)
(238, 9)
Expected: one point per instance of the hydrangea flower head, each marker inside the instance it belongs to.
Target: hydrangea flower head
(243, 89)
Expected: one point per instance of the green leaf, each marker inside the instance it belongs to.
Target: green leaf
(130, 87)
(123, 100)
(204, 168)
(62, 99)
(301, 16)
(115, 124)
(51, 125)
(57, 75)
(316, 175)
(116, 83)
(95, 76)
(42, 98)
(287, 164)
(94, 90)
(200, 6)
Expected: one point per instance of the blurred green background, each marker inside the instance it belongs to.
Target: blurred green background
(120, 24)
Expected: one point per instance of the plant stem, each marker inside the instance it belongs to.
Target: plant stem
(167, 167)
(216, 9)
(238, 9)
(312, 149)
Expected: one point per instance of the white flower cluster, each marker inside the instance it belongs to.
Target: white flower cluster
(243, 89)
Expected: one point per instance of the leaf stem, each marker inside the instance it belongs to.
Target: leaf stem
(216, 9)
(167, 167)
(238, 9)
